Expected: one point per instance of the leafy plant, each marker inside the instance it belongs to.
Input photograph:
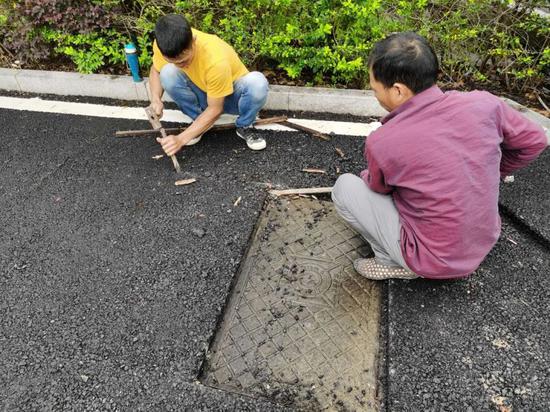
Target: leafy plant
(28, 22)
(313, 41)
(88, 51)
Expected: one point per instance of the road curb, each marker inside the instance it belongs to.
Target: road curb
(289, 98)
(314, 99)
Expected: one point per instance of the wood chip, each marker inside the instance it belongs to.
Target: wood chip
(184, 182)
(500, 343)
(337, 170)
(301, 191)
(237, 201)
(339, 151)
(157, 157)
(319, 171)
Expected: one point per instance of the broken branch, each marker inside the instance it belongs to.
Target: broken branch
(178, 130)
(305, 129)
(184, 182)
(319, 171)
(156, 124)
(302, 191)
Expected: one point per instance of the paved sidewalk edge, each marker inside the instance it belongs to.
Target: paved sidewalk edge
(291, 98)
(354, 102)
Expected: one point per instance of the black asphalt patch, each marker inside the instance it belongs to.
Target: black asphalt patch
(302, 326)
(109, 295)
(112, 279)
(478, 344)
(528, 196)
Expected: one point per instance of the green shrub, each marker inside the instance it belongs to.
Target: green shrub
(328, 41)
(26, 20)
(88, 51)
(314, 41)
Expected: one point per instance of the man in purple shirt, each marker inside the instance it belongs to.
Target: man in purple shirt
(428, 202)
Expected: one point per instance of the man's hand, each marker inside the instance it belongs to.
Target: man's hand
(157, 107)
(170, 144)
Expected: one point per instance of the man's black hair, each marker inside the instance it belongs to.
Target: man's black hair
(173, 35)
(404, 58)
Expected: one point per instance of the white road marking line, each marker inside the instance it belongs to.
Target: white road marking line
(37, 104)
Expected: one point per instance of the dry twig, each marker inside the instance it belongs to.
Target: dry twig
(301, 191)
(318, 171)
(184, 182)
(315, 133)
(177, 130)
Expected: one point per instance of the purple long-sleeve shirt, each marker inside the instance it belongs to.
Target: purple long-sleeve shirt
(441, 156)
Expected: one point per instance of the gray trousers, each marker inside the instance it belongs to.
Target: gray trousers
(372, 215)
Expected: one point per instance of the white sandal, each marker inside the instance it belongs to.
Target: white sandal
(371, 269)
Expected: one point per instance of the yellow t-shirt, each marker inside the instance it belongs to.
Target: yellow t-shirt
(215, 65)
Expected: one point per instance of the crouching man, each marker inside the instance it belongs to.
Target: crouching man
(428, 202)
(206, 78)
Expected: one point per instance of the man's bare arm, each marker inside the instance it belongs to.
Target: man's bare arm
(156, 91)
(172, 144)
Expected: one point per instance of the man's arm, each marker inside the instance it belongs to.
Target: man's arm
(522, 141)
(374, 177)
(156, 91)
(172, 144)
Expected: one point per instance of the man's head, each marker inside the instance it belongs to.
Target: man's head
(175, 39)
(400, 66)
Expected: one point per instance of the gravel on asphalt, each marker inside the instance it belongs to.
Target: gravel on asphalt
(527, 198)
(479, 344)
(106, 290)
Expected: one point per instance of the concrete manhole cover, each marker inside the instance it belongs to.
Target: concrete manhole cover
(301, 327)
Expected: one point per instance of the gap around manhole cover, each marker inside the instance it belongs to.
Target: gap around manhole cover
(301, 327)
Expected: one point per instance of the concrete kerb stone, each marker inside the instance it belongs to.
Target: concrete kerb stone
(278, 98)
(313, 99)
(355, 102)
(76, 84)
(8, 79)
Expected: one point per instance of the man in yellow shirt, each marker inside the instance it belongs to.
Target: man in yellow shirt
(205, 77)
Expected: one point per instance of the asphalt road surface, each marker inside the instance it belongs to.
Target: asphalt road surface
(113, 279)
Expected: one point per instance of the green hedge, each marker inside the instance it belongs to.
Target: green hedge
(320, 42)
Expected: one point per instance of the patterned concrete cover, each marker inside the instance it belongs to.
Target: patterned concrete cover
(301, 327)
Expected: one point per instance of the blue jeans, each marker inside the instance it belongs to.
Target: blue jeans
(249, 95)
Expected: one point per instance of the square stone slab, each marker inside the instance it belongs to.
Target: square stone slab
(301, 327)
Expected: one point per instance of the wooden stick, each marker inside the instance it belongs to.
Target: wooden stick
(185, 182)
(303, 191)
(259, 122)
(319, 171)
(157, 125)
(177, 130)
(305, 129)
